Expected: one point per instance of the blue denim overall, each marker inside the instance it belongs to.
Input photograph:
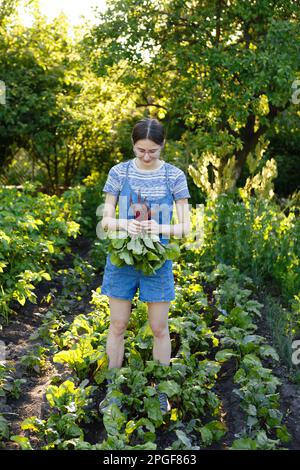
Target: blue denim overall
(122, 283)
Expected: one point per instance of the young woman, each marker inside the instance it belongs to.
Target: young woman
(144, 187)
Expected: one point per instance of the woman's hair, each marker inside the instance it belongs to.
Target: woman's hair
(148, 128)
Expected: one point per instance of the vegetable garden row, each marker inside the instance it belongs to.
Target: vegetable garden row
(214, 333)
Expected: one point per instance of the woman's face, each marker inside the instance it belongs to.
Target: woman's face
(147, 150)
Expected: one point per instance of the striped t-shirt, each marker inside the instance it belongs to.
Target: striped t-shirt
(151, 183)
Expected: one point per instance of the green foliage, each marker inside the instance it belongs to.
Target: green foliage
(13, 387)
(260, 442)
(72, 101)
(255, 235)
(34, 231)
(58, 114)
(22, 441)
(224, 88)
(219, 77)
(257, 385)
(146, 253)
(195, 420)
(4, 428)
(81, 356)
(35, 360)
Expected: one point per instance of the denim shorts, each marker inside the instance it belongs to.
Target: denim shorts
(123, 282)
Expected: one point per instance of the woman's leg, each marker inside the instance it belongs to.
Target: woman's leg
(158, 318)
(119, 316)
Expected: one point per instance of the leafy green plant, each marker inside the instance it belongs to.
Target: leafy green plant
(259, 442)
(14, 387)
(34, 232)
(257, 384)
(68, 403)
(81, 357)
(22, 441)
(35, 360)
(146, 253)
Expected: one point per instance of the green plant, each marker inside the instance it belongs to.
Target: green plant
(35, 360)
(146, 253)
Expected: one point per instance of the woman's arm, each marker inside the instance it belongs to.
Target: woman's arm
(109, 221)
(178, 230)
(184, 222)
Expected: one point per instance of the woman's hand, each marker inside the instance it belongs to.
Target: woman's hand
(150, 226)
(134, 227)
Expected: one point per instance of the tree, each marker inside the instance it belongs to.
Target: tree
(222, 68)
(7, 8)
(57, 109)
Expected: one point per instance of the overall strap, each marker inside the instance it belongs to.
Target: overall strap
(167, 176)
(126, 176)
(127, 167)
